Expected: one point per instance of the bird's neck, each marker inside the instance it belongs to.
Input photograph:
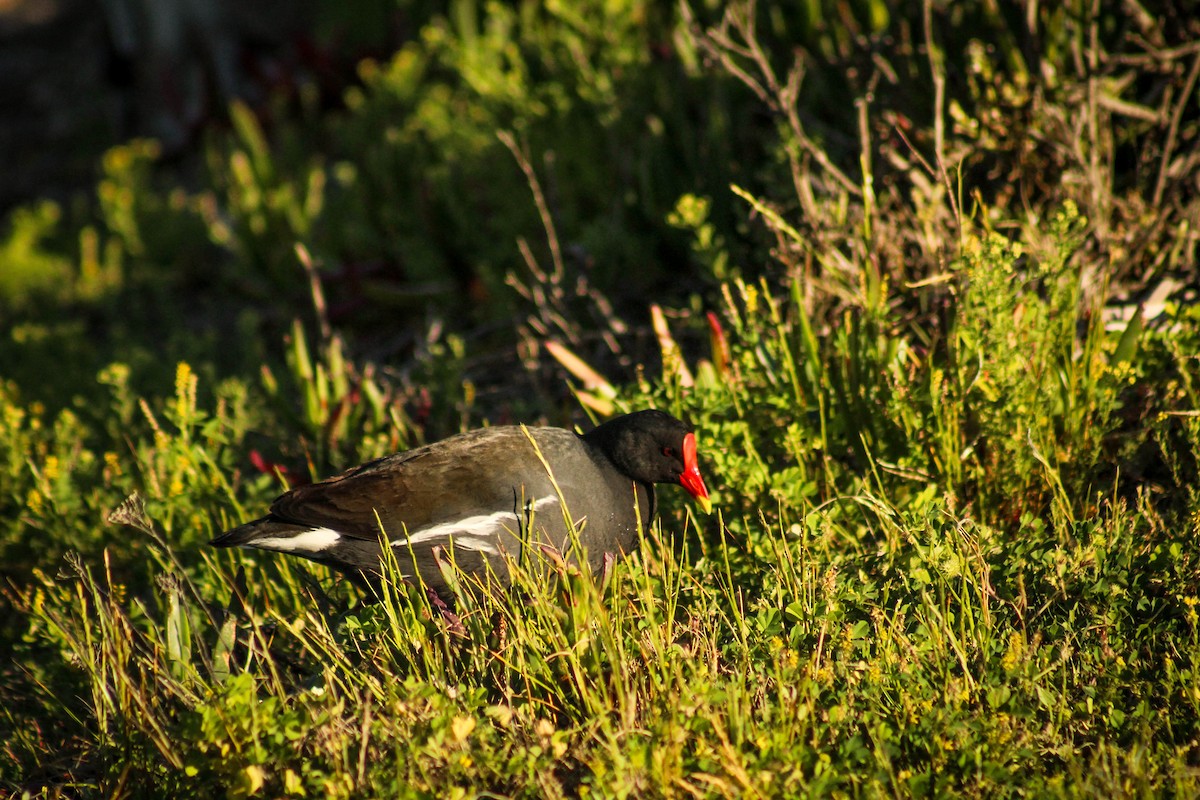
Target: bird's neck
(647, 502)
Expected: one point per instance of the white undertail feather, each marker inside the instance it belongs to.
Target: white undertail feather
(480, 532)
(313, 540)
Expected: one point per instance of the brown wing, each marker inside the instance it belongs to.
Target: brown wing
(473, 473)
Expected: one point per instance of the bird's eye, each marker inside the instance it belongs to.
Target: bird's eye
(669, 452)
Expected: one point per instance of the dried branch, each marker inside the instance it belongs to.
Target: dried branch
(1173, 130)
(737, 38)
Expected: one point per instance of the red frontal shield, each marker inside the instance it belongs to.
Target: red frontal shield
(690, 479)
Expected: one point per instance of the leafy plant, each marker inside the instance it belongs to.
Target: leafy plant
(874, 253)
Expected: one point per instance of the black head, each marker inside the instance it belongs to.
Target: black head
(652, 447)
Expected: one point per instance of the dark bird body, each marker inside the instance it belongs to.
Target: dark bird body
(483, 498)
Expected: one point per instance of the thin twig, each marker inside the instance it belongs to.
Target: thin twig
(938, 74)
(939, 88)
(539, 200)
(318, 294)
(548, 291)
(1098, 183)
(1173, 130)
(720, 45)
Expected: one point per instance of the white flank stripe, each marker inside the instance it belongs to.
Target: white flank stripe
(542, 502)
(479, 532)
(479, 545)
(310, 541)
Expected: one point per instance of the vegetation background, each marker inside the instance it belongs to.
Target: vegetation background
(920, 273)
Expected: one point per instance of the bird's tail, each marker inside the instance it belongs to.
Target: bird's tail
(246, 534)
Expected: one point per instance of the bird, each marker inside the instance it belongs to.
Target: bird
(483, 499)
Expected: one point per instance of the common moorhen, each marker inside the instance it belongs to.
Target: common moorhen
(484, 497)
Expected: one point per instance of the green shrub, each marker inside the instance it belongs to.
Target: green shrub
(953, 552)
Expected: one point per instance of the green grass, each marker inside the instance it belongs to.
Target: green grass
(931, 602)
(953, 552)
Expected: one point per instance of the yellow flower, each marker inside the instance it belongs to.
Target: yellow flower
(1015, 654)
(35, 502)
(183, 377)
(185, 391)
(13, 417)
(751, 295)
